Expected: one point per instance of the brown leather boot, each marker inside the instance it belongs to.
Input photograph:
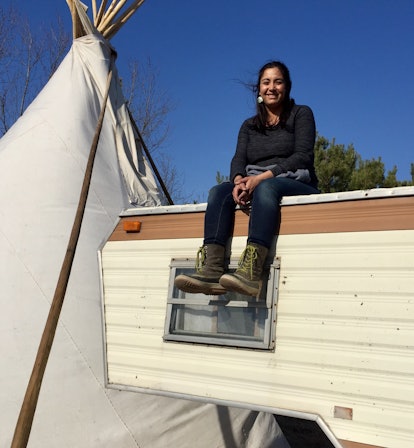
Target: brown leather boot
(209, 268)
(247, 279)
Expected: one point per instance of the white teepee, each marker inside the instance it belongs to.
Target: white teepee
(42, 163)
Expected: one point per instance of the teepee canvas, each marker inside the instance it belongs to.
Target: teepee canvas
(42, 163)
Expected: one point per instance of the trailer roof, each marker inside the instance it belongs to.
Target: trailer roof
(289, 200)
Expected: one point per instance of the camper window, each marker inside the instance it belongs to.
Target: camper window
(229, 320)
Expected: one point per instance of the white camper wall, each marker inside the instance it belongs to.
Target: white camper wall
(344, 332)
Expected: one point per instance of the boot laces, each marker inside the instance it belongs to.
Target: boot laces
(201, 259)
(247, 260)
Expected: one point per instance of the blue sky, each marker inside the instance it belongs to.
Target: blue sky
(351, 61)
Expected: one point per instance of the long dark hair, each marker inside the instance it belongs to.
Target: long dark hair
(261, 116)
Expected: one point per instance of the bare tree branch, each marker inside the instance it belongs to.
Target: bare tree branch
(150, 106)
(27, 60)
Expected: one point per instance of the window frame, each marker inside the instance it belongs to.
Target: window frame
(268, 301)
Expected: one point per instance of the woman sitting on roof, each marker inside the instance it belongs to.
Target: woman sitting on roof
(274, 158)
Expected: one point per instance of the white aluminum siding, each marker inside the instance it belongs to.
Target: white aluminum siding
(344, 332)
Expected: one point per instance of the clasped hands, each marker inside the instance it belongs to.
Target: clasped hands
(243, 191)
(244, 188)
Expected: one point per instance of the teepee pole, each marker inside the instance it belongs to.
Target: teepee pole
(111, 13)
(101, 12)
(27, 411)
(94, 11)
(111, 28)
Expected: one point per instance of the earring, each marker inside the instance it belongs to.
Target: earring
(259, 99)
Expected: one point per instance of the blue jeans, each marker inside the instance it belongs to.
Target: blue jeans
(264, 219)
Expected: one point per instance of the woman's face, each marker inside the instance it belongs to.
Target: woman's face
(272, 88)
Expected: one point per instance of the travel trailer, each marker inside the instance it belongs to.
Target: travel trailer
(328, 342)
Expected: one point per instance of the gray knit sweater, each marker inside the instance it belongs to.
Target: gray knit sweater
(288, 148)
